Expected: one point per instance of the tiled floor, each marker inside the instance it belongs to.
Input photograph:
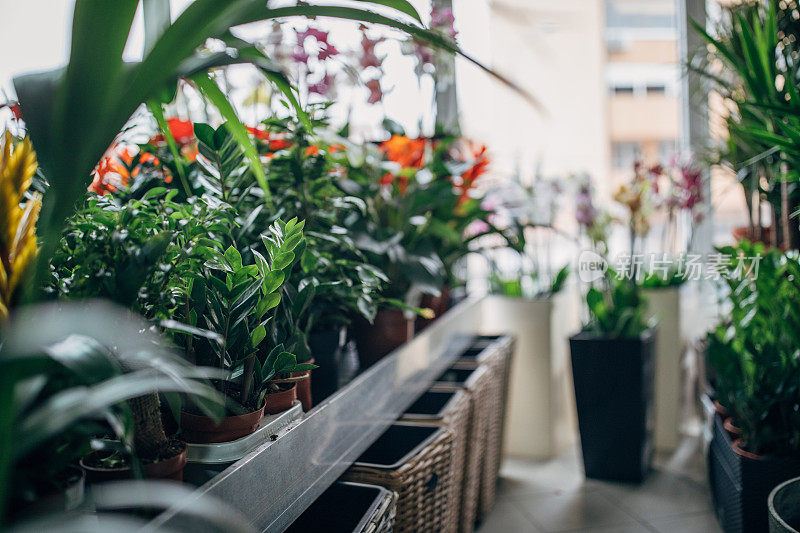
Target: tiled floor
(553, 496)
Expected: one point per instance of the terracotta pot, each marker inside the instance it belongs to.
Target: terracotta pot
(732, 430)
(438, 304)
(304, 387)
(737, 447)
(278, 402)
(171, 468)
(389, 330)
(720, 410)
(204, 429)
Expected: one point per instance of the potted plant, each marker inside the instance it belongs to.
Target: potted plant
(237, 301)
(612, 370)
(394, 234)
(752, 355)
(85, 388)
(332, 282)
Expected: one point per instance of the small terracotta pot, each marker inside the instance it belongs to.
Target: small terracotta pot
(171, 468)
(737, 447)
(374, 341)
(438, 304)
(204, 429)
(304, 387)
(720, 410)
(278, 402)
(732, 430)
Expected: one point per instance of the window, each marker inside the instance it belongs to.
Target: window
(623, 89)
(656, 90)
(641, 14)
(625, 154)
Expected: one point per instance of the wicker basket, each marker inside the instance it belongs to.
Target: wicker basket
(350, 508)
(414, 461)
(477, 384)
(451, 410)
(496, 356)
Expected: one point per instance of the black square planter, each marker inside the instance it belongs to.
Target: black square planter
(740, 485)
(613, 381)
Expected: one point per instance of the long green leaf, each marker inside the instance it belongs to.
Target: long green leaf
(211, 90)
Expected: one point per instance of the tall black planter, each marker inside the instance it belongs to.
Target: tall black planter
(326, 347)
(614, 395)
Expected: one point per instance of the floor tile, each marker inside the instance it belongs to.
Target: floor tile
(697, 523)
(519, 477)
(507, 518)
(663, 494)
(570, 510)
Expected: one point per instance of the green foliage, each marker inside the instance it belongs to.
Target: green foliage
(63, 385)
(617, 310)
(755, 355)
(756, 48)
(332, 271)
(237, 301)
(137, 252)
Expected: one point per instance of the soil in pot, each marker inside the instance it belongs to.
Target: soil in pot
(203, 429)
(304, 386)
(101, 467)
(374, 341)
(327, 348)
(280, 401)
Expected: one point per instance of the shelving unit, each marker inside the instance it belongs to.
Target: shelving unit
(277, 481)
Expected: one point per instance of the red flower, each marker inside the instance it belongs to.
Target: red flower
(181, 130)
(375, 91)
(279, 144)
(16, 110)
(258, 133)
(478, 168)
(312, 150)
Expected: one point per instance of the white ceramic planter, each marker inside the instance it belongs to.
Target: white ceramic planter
(664, 304)
(540, 416)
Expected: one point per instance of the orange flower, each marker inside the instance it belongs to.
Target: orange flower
(312, 150)
(332, 149)
(478, 168)
(410, 153)
(109, 176)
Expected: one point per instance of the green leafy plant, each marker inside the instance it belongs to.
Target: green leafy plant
(86, 375)
(759, 80)
(528, 285)
(617, 310)
(95, 95)
(755, 353)
(237, 301)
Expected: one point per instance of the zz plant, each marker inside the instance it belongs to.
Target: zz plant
(755, 355)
